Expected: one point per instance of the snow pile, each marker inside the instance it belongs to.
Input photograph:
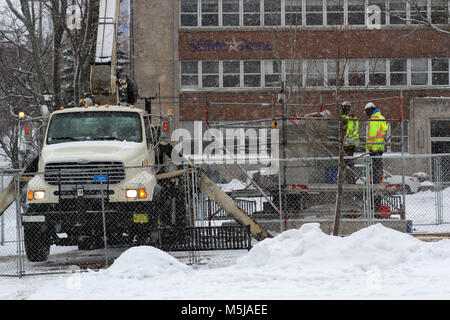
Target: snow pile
(145, 262)
(310, 250)
(375, 262)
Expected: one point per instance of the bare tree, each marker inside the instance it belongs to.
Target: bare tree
(80, 41)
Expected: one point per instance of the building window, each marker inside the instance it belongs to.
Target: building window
(314, 12)
(252, 13)
(381, 4)
(294, 73)
(189, 12)
(315, 73)
(293, 12)
(357, 72)
(335, 71)
(210, 13)
(210, 74)
(396, 137)
(419, 11)
(439, 69)
(252, 74)
(356, 12)
(419, 72)
(439, 11)
(231, 74)
(399, 72)
(230, 13)
(377, 72)
(397, 11)
(335, 12)
(272, 12)
(189, 74)
(272, 74)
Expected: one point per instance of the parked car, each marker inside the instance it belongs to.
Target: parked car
(412, 184)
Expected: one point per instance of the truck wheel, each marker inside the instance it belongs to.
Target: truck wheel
(37, 243)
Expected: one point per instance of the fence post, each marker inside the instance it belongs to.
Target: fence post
(105, 241)
(369, 203)
(438, 189)
(403, 156)
(280, 200)
(19, 246)
(2, 218)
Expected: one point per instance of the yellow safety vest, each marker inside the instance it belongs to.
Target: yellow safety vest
(352, 134)
(376, 132)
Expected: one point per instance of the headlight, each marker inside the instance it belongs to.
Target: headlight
(39, 195)
(131, 193)
(136, 193)
(36, 195)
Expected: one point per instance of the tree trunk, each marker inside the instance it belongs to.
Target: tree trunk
(337, 214)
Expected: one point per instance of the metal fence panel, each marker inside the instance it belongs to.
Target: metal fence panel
(92, 215)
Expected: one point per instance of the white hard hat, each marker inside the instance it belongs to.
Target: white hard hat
(370, 105)
(89, 102)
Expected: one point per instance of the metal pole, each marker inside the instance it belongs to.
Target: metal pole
(403, 155)
(19, 247)
(284, 141)
(105, 241)
(280, 201)
(2, 220)
(18, 144)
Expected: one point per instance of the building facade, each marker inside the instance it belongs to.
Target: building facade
(237, 54)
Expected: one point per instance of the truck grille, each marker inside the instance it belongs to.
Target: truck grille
(75, 173)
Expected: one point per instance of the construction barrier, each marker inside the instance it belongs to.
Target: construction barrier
(87, 215)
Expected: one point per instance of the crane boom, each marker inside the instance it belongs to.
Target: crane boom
(103, 71)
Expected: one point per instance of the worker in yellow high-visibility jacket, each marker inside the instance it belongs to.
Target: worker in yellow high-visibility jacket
(351, 140)
(375, 143)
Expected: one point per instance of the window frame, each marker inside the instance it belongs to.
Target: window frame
(375, 72)
(411, 73)
(440, 72)
(253, 74)
(279, 73)
(303, 77)
(197, 14)
(232, 74)
(405, 72)
(223, 13)
(198, 74)
(431, 11)
(253, 13)
(210, 74)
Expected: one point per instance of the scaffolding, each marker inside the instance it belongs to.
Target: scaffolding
(324, 150)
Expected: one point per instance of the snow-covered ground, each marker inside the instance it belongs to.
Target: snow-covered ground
(421, 208)
(374, 263)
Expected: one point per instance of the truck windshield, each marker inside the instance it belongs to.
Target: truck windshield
(95, 126)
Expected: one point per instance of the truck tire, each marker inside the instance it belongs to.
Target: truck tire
(37, 243)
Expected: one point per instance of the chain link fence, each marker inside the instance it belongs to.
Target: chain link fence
(88, 214)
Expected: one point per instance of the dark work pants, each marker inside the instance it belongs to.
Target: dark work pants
(349, 175)
(377, 172)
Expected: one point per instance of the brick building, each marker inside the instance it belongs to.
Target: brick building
(240, 51)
